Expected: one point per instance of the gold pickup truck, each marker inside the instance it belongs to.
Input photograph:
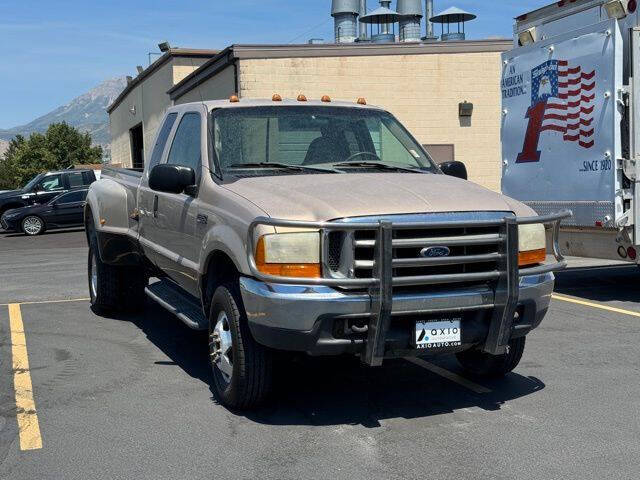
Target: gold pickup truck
(320, 227)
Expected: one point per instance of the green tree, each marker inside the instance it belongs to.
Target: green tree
(59, 147)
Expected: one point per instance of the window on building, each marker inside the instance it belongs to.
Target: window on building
(185, 149)
(137, 146)
(441, 153)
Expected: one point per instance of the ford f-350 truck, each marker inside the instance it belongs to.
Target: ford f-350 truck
(319, 227)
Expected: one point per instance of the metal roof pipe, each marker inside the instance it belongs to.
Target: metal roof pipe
(429, 11)
(363, 27)
(345, 14)
(410, 12)
(428, 14)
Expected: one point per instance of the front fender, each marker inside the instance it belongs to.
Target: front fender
(223, 238)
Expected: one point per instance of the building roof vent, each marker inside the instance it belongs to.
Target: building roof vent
(345, 14)
(411, 14)
(385, 19)
(452, 16)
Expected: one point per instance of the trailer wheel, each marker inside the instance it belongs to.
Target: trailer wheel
(241, 367)
(482, 364)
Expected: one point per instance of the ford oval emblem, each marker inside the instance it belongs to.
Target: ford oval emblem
(434, 252)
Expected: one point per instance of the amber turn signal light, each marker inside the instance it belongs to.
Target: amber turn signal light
(532, 257)
(298, 270)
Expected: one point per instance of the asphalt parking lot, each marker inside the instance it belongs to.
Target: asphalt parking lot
(130, 397)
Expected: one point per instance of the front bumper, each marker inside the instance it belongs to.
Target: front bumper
(8, 225)
(322, 320)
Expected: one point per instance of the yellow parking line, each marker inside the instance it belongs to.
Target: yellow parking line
(596, 305)
(454, 377)
(28, 425)
(48, 301)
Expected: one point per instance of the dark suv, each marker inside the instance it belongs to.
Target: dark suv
(44, 187)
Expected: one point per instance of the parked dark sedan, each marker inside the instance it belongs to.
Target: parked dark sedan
(65, 210)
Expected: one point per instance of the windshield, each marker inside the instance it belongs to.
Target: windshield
(314, 140)
(34, 181)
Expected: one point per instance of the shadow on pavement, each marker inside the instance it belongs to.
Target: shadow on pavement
(334, 390)
(601, 284)
(6, 234)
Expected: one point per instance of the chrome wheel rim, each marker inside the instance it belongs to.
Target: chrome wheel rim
(32, 225)
(221, 347)
(94, 276)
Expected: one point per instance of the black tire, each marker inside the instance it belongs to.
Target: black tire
(118, 289)
(28, 229)
(492, 366)
(252, 363)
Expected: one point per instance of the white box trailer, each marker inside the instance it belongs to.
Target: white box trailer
(568, 117)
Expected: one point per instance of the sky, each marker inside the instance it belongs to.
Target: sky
(55, 50)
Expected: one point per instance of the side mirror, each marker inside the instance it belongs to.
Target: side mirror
(454, 169)
(171, 178)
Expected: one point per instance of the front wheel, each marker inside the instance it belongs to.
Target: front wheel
(494, 366)
(32, 225)
(241, 367)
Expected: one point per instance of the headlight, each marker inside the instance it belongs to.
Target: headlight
(532, 244)
(289, 254)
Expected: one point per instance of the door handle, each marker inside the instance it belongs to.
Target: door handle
(155, 206)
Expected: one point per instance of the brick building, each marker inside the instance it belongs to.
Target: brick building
(420, 83)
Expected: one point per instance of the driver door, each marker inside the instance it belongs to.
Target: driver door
(170, 230)
(49, 187)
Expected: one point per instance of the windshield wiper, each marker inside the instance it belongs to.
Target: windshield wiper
(281, 166)
(377, 165)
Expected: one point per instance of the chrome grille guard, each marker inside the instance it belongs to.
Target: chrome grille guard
(381, 283)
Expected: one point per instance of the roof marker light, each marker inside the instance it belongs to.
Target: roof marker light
(361, 101)
(326, 99)
(276, 98)
(234, 99)
(615, 9)
(302, 98)
(527, 37)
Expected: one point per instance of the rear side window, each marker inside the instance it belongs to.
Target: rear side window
(75, 180)
(161, 141)
(79, 196)
(185, 149)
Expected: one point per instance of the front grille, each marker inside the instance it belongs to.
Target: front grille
(476, 254)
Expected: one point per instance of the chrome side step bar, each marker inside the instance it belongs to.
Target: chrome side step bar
(171, 297)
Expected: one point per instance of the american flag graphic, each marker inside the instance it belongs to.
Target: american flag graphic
(569, 94)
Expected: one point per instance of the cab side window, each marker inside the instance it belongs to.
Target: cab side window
(161, 141)
(185, 149)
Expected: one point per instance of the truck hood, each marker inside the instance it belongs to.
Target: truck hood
(320, 197)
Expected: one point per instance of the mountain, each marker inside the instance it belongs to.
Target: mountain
(86, 112)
